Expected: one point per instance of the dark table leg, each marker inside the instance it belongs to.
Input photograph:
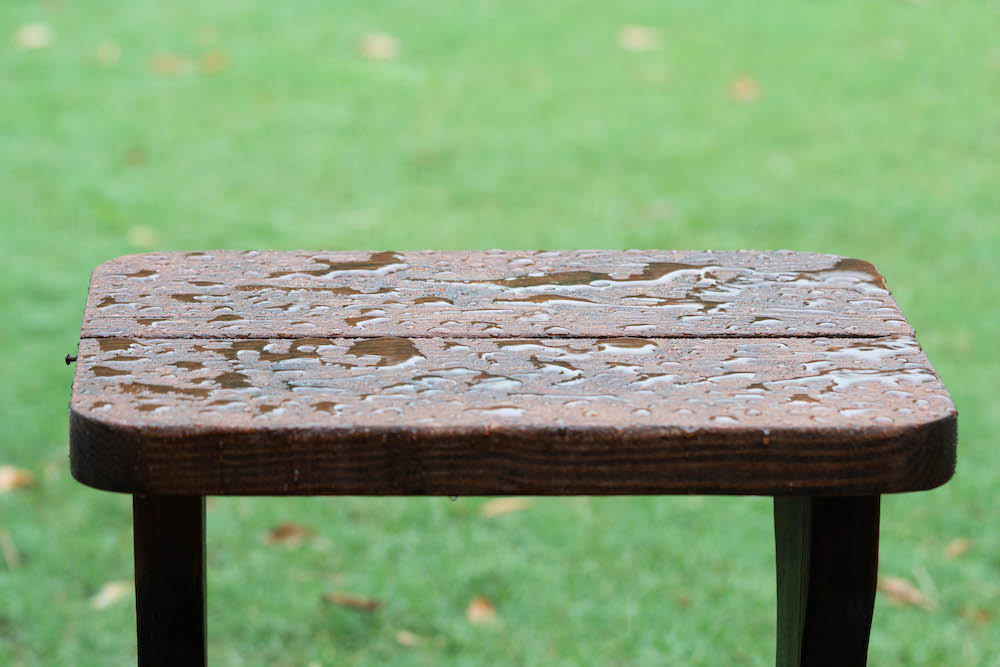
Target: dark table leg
(827, 558)
(170, 579)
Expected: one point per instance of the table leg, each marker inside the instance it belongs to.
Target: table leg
(170, 579)
(827, 558)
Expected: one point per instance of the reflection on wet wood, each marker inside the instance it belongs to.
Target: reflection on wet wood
(590, 371)
(445, 416)
(489, 294)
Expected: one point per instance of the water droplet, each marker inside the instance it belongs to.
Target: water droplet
(390, 351)
(377, 263)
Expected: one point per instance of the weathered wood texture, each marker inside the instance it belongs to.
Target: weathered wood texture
(489, 294)
(170, 580)
(699, 411)
(827, 561)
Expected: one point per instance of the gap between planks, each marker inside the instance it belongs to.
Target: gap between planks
(524, 337)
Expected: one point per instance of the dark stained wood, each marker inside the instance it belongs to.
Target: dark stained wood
(225, 294)
(473, 373)
(170, 580)
(827, 560)
(484, 416)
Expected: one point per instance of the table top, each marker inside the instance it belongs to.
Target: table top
(494, 372)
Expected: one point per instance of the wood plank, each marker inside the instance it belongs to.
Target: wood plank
(227, 294)
(485, 416)
(827, 561)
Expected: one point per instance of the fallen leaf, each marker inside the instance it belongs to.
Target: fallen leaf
(499, 506)
(288, 534)
(901, 592)
(12, 478)
(407, 638)
(744, 89)
(169, 64)
(33, 36)
(108, 53)
(481, 611)
(144, 237)
(213, 62)
(11, 555)
(110, 593)
(957, 547)
(134, 155)
(355, 602)
(976, 615)
(378, 46)
(639, 38)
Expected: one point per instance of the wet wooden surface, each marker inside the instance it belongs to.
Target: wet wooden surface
(484, 373)
(489, 294)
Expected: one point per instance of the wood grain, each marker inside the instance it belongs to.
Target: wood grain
(483, 416)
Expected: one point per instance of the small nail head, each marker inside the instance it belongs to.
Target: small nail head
(69, 359)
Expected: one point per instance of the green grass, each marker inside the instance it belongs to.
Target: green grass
(516, 125)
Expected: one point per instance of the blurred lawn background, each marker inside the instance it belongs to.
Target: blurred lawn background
(863, 129)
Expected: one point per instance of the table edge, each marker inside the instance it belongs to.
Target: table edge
(517, 461)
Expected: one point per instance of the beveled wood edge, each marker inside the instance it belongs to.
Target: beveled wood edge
(539, 460)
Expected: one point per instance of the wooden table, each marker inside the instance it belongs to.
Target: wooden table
(792, 375)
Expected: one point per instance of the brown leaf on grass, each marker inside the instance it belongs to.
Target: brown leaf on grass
(33, 36)
(744, 89)
(213, 62)
(902, 593)
(408, 639)
(134, 155)
(683, 600)
(976, 615)
(110, 593)
(288, 534)
(169, 64)
(13, 478)
(639, 38)
(957, 547)
(481, 611)
(499, 506)
(108, 53)
(355, 602)
(379, 46)
(11, 555)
